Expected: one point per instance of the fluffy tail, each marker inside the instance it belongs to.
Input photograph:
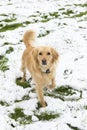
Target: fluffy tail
(29, 37)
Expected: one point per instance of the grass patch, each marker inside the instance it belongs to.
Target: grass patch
(85, 107)
(38, 106)
(65, 93)
(8, 20)
(23, 84)
(6, 43)
(47, 116)
(80, 14)
(5, 15)
(3, 103)
(54, 15)
(25, 97)
(3, 63)
(68, 12)
(8, 17)
(62, 9)
(81, 5)
(1, 25)
(44, 20)
(52, 94)
(18, 113)
(73, 127)
(11, 27)
(19, 116)
(47, 17)
(10, 49)
(27, 22)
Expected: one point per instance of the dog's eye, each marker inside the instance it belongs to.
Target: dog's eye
(40, 53)
(48, 53)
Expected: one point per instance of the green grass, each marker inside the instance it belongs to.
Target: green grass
(18, 113)
(10, 49)
(47, 17)
(3, 63)
(38, 106)
(65, 90)
(62, 9)
(8, 27)
(54, 15)
(3, 103)
(23, 84)
(1, 25)
(6, 43)
(44, 20)
(82, 5)
(44, 17)
(64, 93)
(5, 15)
(73, 127)
(79, 14)
(8, 20)
(19, 116)
(47, 116)
(85, 107)
(52, 94)
(68, 12)
(25, 97)
(27, 22)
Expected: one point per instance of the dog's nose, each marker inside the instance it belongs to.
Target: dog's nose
(44, 62)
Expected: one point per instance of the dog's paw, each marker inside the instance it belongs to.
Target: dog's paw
(52, 86)
(44, 104)
(39, 105)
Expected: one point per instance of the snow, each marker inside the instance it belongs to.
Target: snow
(69, 37)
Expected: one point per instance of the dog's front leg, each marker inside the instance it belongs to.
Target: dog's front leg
(23, 69)
(39, 90)
(53, 85)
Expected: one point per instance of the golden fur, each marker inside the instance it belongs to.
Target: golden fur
(40, 62)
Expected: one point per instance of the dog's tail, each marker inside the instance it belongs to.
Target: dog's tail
(29, 37)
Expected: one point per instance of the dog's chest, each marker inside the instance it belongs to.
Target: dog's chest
(47, 79)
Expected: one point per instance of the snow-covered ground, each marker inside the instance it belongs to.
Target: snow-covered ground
(61, 24)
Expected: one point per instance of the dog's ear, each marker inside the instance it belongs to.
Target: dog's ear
(35, 53)
(55, 55)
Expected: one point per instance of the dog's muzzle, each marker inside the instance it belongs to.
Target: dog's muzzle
(44, 62)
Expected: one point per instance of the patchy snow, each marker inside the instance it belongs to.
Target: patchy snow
(67, 33)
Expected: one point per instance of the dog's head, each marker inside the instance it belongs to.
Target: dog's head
(45, 56)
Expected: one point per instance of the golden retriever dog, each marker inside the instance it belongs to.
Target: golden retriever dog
(41, 63)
